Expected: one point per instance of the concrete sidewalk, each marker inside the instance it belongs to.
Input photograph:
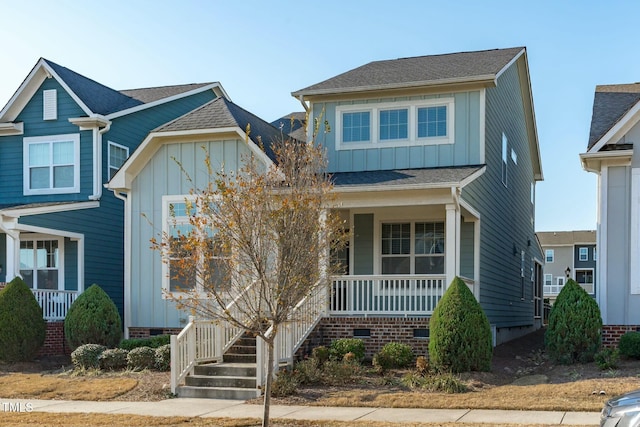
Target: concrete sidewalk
(217, 408)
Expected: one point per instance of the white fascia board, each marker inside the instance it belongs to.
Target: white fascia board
(509, 64)
(466, 181)
(391, 187)
(215, 87)
(10, 129)
(619, 129)
(88, 123)
(48, 231)
(592, 161)
(18, 212)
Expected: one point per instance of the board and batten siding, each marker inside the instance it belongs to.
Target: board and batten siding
(623, 308)
(464, 151)
(506, 226)
(11, 148)
(162, 176)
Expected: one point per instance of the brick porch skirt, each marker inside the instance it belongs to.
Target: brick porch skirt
(141, 332)
(611, 333)
(54, 342)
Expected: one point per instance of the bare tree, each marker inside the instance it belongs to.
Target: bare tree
(260, 237)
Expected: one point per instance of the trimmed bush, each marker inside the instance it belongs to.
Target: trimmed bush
(629, 345)
(460, 334)
(141, 358)
(575, 325)
(339, 348)
(93, 318)
(163, 357)
(320, 353)
(22, 328)
(607, 358)
(113, 359)
(87, 356)
(153, 342)
(401, 355)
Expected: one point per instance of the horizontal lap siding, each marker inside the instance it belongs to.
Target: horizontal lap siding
(3, 257)
(162, 176)
(465, 150)
(506, 212)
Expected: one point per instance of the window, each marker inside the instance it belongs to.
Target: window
(51, 164)
(40, 261)
(548, 255)
(560, 281)
(504, 159)
(209, 263)
(389, 124)
(432, 121)
(583, 254)
(548, 279)
(595, 258)
(394, 124)
(356, 127)
(118, 154)
(416, 248)
(514, 156)
(49, 104)
(585, 279)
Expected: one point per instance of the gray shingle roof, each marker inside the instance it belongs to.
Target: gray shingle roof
(403, 177)
(566, 237)
(610, 104)
(417, 71)
(222, 113)
(293, 124)
(103, 100)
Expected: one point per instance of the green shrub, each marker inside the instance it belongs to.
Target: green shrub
(400, 355)
(339, 348)
(629, 345)
(153, 342)
(339, 373)
(575, 325)
(87, 356)
(320, 353)
(93, 318)
(285, 384)
(607, 358)
(141, 358)
(460, 334)
(113, 359)
(309, 371)
(22, 328)
(163, 357)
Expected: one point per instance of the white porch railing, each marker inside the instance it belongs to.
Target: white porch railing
(303, 319)
(55, 304)
(409, 295)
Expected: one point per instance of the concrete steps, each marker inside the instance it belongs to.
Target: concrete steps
(234, 378)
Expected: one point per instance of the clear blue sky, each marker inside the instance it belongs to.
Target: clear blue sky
(261, 51)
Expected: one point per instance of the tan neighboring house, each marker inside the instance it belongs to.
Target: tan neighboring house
(568, 254)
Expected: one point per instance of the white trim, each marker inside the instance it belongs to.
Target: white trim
(17, 212)
(483, 124)
(60, 261)
(601, 241)
(622, 126)
(27, 141)
(412, 123)
(580, 250)
(11, 129)
(593, 278)
(634, 263)
(109, 165)
(50, 104)
(553, 256)
(509, 64)
(168, 199)
(213, 86)
(127, 260)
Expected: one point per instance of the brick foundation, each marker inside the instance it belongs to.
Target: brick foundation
(141, 332)
(382, 331)
(611, 333)
(54, 342)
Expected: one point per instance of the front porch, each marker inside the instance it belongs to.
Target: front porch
(54, 304)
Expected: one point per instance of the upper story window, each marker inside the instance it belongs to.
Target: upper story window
(51, 164)
(118, 154)
(583, 254)
(549, 255)
(504, 159)
(356, 127)
(419, 122)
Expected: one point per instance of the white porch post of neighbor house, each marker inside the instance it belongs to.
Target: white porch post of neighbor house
(452, 226)
(12, 248)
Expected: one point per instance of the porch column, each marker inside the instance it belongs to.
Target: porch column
(13, 252)
(452, 250)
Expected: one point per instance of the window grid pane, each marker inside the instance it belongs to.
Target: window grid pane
(394, 124)
(432, 122)
(356, 126)
(429, 247)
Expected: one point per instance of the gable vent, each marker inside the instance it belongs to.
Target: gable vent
(50, 104)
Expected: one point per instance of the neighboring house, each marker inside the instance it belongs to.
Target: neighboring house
(613, 154)
(62, 137)
(568, 254)
(293, 125)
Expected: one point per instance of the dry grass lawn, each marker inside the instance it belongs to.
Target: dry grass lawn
(64, 387)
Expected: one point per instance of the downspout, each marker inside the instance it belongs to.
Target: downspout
(97, 161)
(127, 261)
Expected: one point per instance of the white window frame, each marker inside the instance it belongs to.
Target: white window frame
(412, 107)
(505, 160)
(113, 168)
(26, 176)
(45, 237)
(548, 277)
(560, 281)
(593, 279)
(583, 251)
(412, 245)
(546, 256)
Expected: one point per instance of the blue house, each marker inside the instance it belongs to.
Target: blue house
(62, 137)
(434, 161)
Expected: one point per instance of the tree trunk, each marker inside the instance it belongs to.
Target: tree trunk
(269, 381)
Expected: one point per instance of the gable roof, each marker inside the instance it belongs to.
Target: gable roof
(566, 238)
(293, 124)
(222, 114)
(611, 103)
(95, 98)
(461, 67)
